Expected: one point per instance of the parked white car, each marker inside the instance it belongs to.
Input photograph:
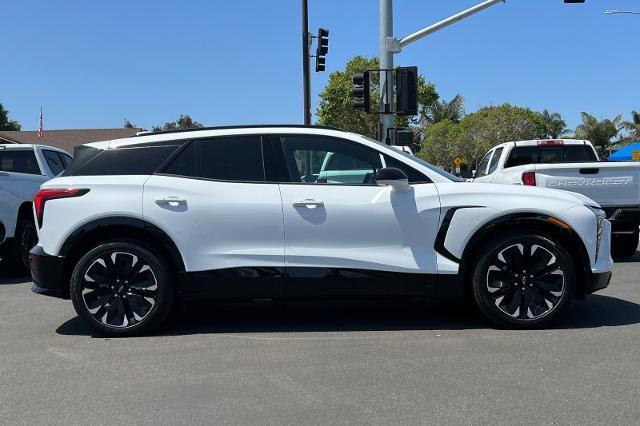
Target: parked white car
(572, 165)
(232, 213)
(23, 168)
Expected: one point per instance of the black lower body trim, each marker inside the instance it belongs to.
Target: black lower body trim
(47, 273)
(597, 282)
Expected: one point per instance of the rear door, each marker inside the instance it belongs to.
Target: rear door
(213, 200)
(350, 236)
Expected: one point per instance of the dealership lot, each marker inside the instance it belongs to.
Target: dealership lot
(323, 362)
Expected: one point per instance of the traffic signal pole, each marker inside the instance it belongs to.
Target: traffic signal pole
(386, 64)
(305, 63)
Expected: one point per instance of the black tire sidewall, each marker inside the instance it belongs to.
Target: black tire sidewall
(23, 227)
(163, 276)
(484, 260)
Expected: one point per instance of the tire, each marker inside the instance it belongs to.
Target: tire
(523, 280)
(122, 289)
(24, 239)
(625, 245)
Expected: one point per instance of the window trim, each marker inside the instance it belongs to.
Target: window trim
(283, 170)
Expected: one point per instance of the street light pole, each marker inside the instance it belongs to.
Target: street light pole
(305, 63)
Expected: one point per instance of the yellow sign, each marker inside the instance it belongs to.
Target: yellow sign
(635, 156)
(458, 160)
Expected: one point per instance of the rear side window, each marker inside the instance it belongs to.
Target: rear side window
(495, 160)
(19, 161)
(124, 161)
(522, 155)
(54, 161)
(482, 167)
(237, 158)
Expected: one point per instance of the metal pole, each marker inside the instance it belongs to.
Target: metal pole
(305, 63)
(386, 63)
(449, 21)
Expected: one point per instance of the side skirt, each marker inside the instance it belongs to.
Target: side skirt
(249, 283)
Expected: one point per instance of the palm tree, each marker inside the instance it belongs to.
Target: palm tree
(556, 126)
(599, 133)
(443, 110)
(633, 126)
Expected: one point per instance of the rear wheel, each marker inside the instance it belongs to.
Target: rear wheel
(122, 289)
(17, 252)
(625, 245)
(523, 280)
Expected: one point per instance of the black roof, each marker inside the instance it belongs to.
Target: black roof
(246, 126)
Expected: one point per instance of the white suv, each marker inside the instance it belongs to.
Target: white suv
(243, 213)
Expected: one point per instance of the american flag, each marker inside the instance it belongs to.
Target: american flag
(40, 128)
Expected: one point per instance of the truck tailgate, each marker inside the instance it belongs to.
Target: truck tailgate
(609, 184)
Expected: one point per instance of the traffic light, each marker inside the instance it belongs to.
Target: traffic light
(322, 49)
(361, 91)
(407, 91)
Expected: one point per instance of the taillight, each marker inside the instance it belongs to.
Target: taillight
(529, 178)
(44, 195)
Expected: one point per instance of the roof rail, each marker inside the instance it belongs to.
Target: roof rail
(245, 126)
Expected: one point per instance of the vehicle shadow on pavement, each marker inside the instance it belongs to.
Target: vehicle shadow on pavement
(632, 259)
(8, 278)
(599, 311)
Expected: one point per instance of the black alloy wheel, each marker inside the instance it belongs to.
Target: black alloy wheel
(524, 280)
(28, 239)
(122, 289)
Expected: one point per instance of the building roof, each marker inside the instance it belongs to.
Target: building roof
(66, 139)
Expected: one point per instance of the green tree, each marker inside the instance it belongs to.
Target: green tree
(336, 108)
(599, 133)
(128, 125)
(5, 123)
(490, 126)
(441, 142)
(555, 124)
(633, 127)
(442, 110)
(183, 122)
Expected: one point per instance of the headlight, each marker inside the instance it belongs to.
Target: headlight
(600, 217)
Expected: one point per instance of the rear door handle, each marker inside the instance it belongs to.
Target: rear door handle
(310, 204)
(170, 201)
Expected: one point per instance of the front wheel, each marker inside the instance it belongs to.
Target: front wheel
(122, 289)
(523, 280)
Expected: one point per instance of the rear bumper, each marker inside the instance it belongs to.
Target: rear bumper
(47, 273)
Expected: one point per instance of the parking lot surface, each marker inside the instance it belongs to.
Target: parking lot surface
(374, 363)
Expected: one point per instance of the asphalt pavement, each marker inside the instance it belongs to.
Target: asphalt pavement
(324, 363)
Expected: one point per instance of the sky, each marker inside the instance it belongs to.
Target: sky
(92, 64)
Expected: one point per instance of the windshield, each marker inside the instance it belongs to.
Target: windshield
(420, 161)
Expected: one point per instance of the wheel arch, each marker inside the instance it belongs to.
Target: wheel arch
(25, 211)
(87, 235)
(569, 239)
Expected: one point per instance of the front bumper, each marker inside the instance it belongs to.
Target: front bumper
(47, 273)
(597, 282)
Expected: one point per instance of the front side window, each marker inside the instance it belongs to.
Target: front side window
(482, 167)
(19, 161)
(413, 175)
(237, 158)
(54, 161)
(322, 160)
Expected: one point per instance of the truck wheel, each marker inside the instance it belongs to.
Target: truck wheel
(523, 280)
(122, 289)
(625, 245)
(25, 238)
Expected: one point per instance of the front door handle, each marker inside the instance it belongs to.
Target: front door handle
(308, 203)
(170, 201)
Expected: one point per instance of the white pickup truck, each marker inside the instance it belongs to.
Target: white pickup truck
(572, 165)
(23, 168)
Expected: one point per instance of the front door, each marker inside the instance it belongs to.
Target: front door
(344, 235)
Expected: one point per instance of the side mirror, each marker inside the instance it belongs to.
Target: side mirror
(395, 178)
